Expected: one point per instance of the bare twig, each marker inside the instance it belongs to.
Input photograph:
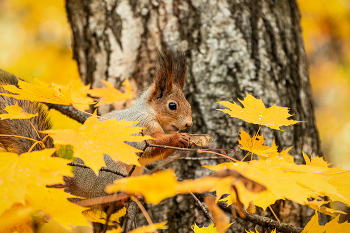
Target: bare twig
(130, 217)
(273, 212)
(70, 112)
(206, 212)
(148, 218)
(173, 147)
(110, 211)
(196, 158)
(166, 163)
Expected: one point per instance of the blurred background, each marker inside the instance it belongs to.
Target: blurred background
(35, 42)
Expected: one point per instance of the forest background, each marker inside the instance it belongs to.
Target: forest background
(35, 42)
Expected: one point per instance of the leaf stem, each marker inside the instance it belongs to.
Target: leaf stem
(149, 220)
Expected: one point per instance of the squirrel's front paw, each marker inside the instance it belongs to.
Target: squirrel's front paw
(181, 140)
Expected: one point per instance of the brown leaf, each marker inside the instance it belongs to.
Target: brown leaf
(200, 139)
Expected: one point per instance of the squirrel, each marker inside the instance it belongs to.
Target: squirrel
(21, 127)
(162, 110)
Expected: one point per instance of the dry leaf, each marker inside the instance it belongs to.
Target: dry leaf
(200, 139)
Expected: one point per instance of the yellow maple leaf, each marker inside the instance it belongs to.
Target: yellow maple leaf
(150, 228)
(254, 111)
(95, 138)
(280, 176)
(331, 227)
(16, 112)
(110, 94)
(54, 203)
(254, 144)
(18, 171)
(17, 218)
(40, 92)
(209, 229)
(155, 187)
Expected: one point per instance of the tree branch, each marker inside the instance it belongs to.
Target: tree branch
(70, 112)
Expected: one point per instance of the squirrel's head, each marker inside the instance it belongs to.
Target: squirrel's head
(172, 109)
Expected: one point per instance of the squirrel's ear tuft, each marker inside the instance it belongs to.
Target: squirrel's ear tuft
(179, 61)
(163, 78)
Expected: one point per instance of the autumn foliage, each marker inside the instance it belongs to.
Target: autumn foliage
(274, 176)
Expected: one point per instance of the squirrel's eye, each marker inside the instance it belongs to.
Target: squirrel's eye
(172, 106)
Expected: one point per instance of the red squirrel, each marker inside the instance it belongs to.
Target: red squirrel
(162, 109)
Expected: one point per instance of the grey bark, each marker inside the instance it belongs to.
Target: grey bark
(232, 47)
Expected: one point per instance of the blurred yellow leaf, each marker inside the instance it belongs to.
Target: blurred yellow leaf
(150, 228)
(110, 94)
(118, 230)
(221, 220)
(158, 186)
(18, 171)
(331, 227)
(254, 111)
(95, 138)
(17, 218)
(16, 112)
(54, 203)
(40, 92)
(155, 187)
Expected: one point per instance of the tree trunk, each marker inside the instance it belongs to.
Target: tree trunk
(232, 48)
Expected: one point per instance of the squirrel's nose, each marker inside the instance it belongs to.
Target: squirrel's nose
(189, 124)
